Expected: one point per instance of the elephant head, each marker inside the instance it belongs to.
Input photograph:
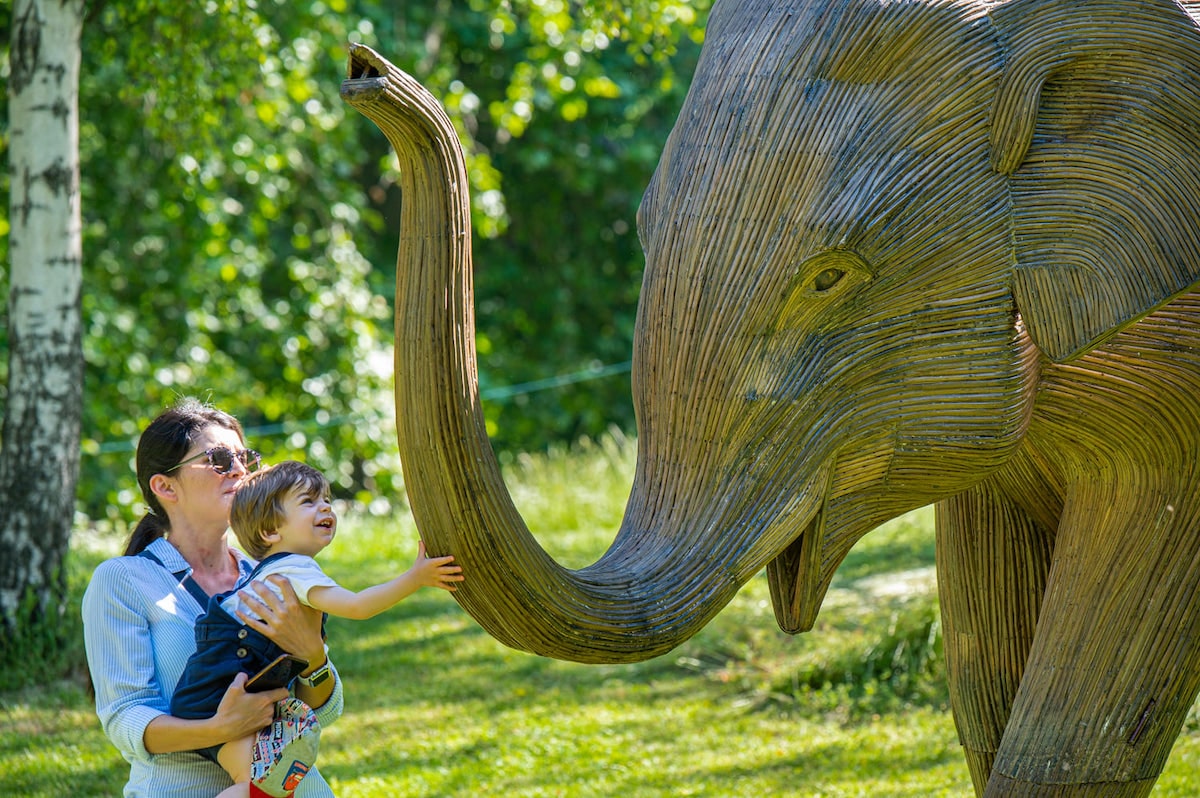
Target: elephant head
(863, 243)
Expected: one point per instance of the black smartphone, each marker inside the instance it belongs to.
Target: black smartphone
(279, 673)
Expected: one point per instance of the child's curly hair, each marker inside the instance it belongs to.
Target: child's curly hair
(258, 505)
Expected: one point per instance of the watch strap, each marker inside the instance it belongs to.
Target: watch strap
(318, 676)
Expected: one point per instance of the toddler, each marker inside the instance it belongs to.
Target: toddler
(282, 517)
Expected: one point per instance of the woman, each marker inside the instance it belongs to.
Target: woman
(140, 610)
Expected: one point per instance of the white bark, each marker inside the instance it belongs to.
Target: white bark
(39, 458)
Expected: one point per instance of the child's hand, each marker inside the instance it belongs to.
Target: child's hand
(436, 571)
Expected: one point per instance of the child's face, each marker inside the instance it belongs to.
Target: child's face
(309, 524)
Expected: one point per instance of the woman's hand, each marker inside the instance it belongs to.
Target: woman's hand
(244, 713)
(289, 624)
(239, 714)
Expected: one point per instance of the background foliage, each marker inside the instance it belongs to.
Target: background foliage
(240, 222)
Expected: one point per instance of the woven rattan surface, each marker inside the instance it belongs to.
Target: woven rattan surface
(896, 253)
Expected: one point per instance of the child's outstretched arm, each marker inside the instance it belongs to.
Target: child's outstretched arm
(425, 572)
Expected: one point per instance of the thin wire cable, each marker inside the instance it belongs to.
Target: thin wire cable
(501, 393)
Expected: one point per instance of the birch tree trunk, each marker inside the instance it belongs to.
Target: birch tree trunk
(39, 458)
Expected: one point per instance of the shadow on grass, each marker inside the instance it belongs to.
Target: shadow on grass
(455, 660)
(91, 778)
(51, 745)
(639, 748)
(822, 769)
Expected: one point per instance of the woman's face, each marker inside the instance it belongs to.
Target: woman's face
(202, 495)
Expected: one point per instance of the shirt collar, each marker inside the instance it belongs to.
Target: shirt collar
(168, 555)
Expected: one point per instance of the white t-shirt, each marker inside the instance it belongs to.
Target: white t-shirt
(301, 571)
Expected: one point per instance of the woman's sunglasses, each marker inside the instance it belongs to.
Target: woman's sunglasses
(221, 458)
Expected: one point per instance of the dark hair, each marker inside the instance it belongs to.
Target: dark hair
(163, 444)
(258, 504)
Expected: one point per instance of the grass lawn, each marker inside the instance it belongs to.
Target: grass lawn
(435, 707)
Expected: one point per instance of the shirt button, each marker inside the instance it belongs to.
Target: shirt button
(241, 652)
(242, 634)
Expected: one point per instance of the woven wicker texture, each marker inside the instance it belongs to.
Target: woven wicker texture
(896, 253)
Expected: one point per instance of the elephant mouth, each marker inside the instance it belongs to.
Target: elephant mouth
(798, 577)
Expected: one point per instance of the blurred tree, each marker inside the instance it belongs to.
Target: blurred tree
(239, 230)
(563, 108)
(39, 459)
(222, 255)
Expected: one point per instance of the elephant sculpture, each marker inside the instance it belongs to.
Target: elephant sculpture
(897, 252)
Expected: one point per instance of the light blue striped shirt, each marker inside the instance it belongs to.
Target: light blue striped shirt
(138, 625)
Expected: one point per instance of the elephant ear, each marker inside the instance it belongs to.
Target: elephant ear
(1096, 121)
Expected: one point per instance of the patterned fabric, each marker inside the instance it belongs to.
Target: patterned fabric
(285, 751)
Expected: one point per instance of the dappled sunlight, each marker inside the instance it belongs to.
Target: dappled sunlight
(436, 707)
(571, 494)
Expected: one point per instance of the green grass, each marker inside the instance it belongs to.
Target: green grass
(435, 707)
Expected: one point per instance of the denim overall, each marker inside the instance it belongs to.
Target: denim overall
(224, 647)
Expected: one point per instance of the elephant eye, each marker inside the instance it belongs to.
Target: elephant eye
(827, 279)
(820, 282)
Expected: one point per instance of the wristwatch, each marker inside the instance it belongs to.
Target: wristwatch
(318, 676)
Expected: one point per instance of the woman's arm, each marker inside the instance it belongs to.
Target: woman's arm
(240, 713)
(319, 695)
(297, 630)
(125, 649)
(289, 624)
(120, 655)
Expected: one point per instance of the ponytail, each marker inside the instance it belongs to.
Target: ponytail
(148, 530)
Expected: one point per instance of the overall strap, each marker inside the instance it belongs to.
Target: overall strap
(184, 577)
(250, 577)
(262, 564)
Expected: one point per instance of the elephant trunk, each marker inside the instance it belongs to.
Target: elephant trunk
(648, 593)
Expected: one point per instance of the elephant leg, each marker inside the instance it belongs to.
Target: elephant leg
(1115, 663)
(992, 562)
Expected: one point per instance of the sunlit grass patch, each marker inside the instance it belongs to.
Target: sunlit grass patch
(436, 708)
